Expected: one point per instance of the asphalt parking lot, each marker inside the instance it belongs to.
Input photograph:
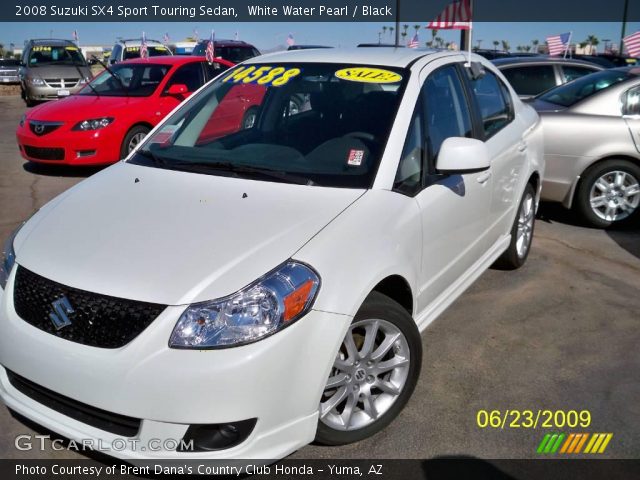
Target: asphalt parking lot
(562, 333)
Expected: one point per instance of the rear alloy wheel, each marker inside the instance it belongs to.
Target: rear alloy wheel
(521, 233)
(609, 193)
(373, 375)
(249, 119)
(132, 139)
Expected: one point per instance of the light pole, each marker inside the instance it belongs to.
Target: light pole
(625, 12)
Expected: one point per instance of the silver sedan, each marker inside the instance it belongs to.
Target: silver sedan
(592, 145)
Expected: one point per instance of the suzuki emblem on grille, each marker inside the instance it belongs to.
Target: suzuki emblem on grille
(61, 308)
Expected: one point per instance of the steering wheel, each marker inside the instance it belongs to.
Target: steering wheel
(362, 136)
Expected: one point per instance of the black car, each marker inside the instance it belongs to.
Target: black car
(235, 51)
(530, 76)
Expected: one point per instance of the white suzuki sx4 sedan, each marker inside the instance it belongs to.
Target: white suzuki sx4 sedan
(256, 274)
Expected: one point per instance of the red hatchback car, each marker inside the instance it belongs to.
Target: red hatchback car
(105, 120)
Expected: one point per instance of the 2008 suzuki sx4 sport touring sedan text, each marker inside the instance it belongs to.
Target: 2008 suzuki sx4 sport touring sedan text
(250, 292)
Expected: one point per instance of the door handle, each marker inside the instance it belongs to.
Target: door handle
(522, 147)
(484, 178)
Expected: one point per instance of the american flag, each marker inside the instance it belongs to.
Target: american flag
(165, 37)
(456, 15)
(290, 40)
(210, 53)
(632, 42)
(558, 44)
(144, 51)
(414, 42)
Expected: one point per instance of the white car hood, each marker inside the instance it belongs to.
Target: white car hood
(172, 237)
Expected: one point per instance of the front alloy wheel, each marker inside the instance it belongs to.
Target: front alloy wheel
(373, 375)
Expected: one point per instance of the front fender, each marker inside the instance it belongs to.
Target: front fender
(378, 236)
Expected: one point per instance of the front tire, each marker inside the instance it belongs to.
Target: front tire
(521, 233)
(609, 193)
(373, 375)
(132, 139)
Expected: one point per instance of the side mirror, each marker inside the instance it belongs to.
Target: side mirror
(177, 90)
(460, 155)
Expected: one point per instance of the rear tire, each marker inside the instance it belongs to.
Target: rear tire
(249, 118)
(132, 139)
(609, 193)
(521, 233)
(374, 374)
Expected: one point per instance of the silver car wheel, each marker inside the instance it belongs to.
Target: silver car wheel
(615, 195)
(135, 140)
(524, 231)
(367, 377)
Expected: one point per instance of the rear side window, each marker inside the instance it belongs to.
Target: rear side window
(447, 110)
(571, 72)
(631, 104)
(496, 110)
(531, 80)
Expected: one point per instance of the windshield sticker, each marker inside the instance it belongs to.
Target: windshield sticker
(41, 49)
(71, 48)
(265, 75)
(355, 157)
(368, 75)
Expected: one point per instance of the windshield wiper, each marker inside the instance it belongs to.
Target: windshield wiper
(237, 169)
(126, 90)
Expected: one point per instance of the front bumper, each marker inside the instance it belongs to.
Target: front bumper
(41, 93)
(278, 380)
(68, 147)
(9, 79)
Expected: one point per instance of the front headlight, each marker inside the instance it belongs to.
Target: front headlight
(37, 81)
(8, 258)
(92, 124)
(266, 306)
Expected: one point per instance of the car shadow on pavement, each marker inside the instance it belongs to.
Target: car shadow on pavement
(60, 170)
(627, 235)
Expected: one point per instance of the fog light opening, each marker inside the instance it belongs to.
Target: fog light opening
(216, 436)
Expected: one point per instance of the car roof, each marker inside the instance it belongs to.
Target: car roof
(542, 60)
(222, 42)
(138, 41)
(50, 41)
(392, 57)
(174, 60)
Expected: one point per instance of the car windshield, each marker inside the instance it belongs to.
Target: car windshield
(58, 55)
(5, 62)
(235, 54)
(127, 80)
(314, 124)
(153, 51)
(573, 92)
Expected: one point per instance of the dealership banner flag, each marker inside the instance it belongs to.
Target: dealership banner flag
(632, 42)
(456, 15)
(558, 44)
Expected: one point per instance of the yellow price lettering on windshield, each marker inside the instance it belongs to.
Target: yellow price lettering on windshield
(41, 49)
(133, 49)
(368, 75)
(262, 75)
(71, 48)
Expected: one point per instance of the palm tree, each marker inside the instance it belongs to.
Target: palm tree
(434, 34)
(384, 30)
(594, 42)
(417, 28)
(495, 45)
(527, 48)
(519, 48)
(535, 45)
(505, 46)
(391, 29)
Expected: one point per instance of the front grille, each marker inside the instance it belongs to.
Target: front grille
(62, 82)
(41, 153)
(95, 320)
(96, 417)
(8, 73)
(42, 128)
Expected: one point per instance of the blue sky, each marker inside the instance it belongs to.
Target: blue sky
(269, 35)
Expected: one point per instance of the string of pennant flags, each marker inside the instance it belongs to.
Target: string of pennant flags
(456, 15)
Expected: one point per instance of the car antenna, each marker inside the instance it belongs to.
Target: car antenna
(126, 90)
